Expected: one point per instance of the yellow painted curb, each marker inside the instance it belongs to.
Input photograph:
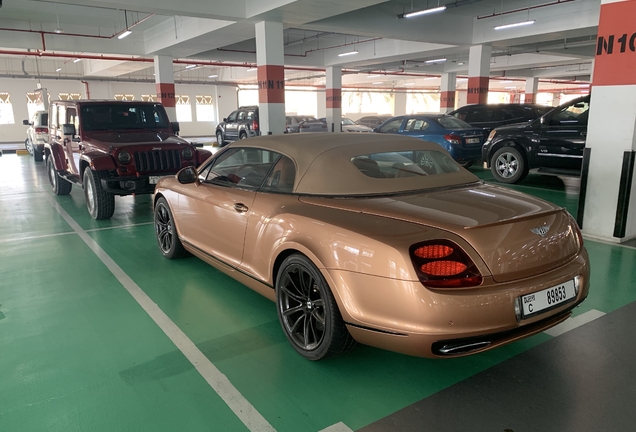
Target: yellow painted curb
(21, 152)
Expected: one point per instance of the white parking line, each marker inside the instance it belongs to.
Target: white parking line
(338, 427)
(572, 323)
(251, 418)
(119, 226)
(36, 237)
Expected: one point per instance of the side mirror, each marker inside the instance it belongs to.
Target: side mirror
(375, 129)
(26, 123)
(175, 127)
(69, 129)
(225, 119)
(187, 175)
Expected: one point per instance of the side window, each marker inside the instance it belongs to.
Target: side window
(250, 115)
(478, 115)
(242, 167)
(416, 125)
(71, 117)
(232, 117)
(461, 114)
(281, 177)
(392, 126)
(513, 114)
(54, 116)
(203, 173)
(241, 115)
(575, 114)
(61, 113)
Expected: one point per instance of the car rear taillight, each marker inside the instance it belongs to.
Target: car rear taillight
(453, 139)
(254, 125)
(443, 264)
(41, 130)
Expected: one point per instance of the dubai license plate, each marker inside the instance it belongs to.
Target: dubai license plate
(154, 179)
(548, 298)
(472, 140)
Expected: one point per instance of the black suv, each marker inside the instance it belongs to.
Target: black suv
(489, 117)
(240, 124)
(553, 143)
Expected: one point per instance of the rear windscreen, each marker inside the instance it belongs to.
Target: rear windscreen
(404, 164)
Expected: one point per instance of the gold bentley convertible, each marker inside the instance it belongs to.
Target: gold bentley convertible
(382, 240)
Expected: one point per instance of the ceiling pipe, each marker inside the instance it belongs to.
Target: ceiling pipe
(305, 54)
(494, 14)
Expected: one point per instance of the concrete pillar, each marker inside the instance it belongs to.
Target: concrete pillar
(333, 93)
(322, 105)
(610, 208)
(164, 82)
(448, 87)
(271, 77)
(478, 73)
(399, 102)
(532, 88)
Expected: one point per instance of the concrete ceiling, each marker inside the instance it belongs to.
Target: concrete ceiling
(559, 46)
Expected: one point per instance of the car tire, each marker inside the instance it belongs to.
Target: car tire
(242, 135)
(508, 165)
(100, 203)
(28, 146)
(38, 155)
(308, 312)
(219, 139)
(166, 232)
(59, 185)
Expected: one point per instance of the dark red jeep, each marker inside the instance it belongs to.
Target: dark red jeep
(113, 148)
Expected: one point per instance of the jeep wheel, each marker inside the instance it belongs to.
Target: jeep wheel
(28, 146)
(242, 135)
(100, 204)
(219, 139)
(166, 231)
(508, 165)
(59, 185)
(38, 155)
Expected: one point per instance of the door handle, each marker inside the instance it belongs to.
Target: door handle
(240, 207)
(584, 133)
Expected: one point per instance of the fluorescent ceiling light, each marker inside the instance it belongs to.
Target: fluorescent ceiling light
(213, 76)
(441, 60)
(348, 53)
(462, 79)
(422, 12)
(584, 85)
(430, 78)
(505, 82)
(250, 69)
(517, 24)
(373, 76)
(460, 63)
(510, 87)
(378, 82)
(190, 66)
(409, 84)
(124, 34)
(58, 69)
(77, 60)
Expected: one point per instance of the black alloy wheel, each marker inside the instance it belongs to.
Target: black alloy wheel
(166, 231)
(308, 312)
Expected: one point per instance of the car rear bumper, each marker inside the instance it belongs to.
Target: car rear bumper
(406, 317)
(462, 154)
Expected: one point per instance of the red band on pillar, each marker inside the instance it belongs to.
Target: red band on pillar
(477, 90)
(334, 98)
(615, 60)
(447, 99)
(530, 98)
(271, 84)
(165, 95)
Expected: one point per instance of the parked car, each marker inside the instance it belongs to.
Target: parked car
(490, 116)
(378, 239)
(312, 126)
(292, 123)
(111, 148)
(240, 124)
(373, 121)
(553, 143)
(460, 139)
(37, 134)
(349, 125)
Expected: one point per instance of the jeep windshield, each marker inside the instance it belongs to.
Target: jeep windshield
(125, 115)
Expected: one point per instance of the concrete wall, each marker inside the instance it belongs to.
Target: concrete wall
(225, 96)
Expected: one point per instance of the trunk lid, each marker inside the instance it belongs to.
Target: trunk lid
(515, 234)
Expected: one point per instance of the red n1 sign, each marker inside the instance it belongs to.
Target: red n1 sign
(615, 61)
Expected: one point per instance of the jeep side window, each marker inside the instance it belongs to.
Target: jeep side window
(71, 117)
(241, 115)
(232, 117)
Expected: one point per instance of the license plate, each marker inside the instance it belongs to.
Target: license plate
(154, 179)
(472, 140)
(548, 298)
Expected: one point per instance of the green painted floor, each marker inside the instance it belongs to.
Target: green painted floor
(79, 354)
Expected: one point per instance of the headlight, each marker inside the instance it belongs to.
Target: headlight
(187, 153)
(492, 135)
(123, 157)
